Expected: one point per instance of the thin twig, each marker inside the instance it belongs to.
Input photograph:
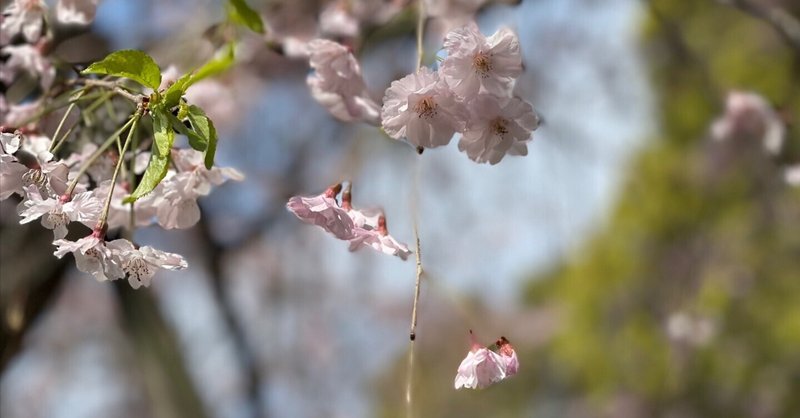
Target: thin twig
(782, 21)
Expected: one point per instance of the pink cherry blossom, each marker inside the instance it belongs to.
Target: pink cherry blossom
(375, 235)
(792, 175)
(748, 115)
(91, 256)
(31, 165)
(57, 211)
(139, 265)
(324, 211)
(119, 213)
(9, 142)
(475, 63)
(506, 351)
(22, 17)
(498, 126)
(481, 368)
(423, 109)
(337, 82)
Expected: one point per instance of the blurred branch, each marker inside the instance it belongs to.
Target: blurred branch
(164, 370)
(213, 254)
(781, 20)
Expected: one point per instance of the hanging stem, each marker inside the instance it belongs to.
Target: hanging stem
(134, 123)
(420, 32)
(110, 140)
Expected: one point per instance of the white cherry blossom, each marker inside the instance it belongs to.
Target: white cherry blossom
(475, 63)
(498, 126)
(423, 109)
(76, 12)
(139, 265)
(479, 369)
(22, 17)
(56, 211)
(91, 256)
(748, 115)
(26, 58)
(337, 82)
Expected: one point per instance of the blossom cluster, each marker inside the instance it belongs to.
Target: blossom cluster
(61, 192)
(362, 228)
(470, 94)
(483, 367)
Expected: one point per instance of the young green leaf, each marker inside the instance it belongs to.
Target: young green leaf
(164, 137)
(203, 126)
(240, 12)
(216, 65)
(195, 140)
(173, 94)
(128, 63)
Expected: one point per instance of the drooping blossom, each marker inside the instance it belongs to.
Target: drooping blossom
(506, 351)
(480, 368)
(57, 211)
(176, 196)
(476, 64)
(92, 256)
(337, 82)
(26, 58)
(423, 109)
(119, 213)
(323, 210)
(76, 12)
(24, 17)
(498, 126)
(139, 265)
(375, 235)
(750, 116)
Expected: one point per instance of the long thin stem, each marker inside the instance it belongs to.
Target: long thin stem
(120, 161)
(64, 119)
(420, 32)
(110, 140)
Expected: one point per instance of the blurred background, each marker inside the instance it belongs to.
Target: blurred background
(640, 268)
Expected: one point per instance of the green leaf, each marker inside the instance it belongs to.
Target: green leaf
(204, 127)
(241, 13)
(173, 94)
(163, 138)
(195, 140)
(216, 65)
(128, 63)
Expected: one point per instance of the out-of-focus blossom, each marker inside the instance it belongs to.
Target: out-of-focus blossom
(17, 114)
(24, 17)
(76, 12)
(423, 109)
(92, 256)
(337, 83)
(102, 167)
(9, 142)
(498, 126)
(481, 368)
(323, 211)
(119, 213)
(56, 211)
(475, 63)
(452, 13)
(750, 116)
(140, 265)
(335, 20)
(26, 58)
(693, 330)
(506, 351)
(792, 175)
(175, 198)
(31, 165)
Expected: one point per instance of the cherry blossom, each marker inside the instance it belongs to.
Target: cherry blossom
(140, 265)
(76, 12)
(57, 212)
(506, 351)
(337, 82)
(91, 256)
(480, 368)
(9, 142)
(22, 17)
(323, 210)
(423, 109)
(475, 63)
(375, 235)
(119, 213)
(748, 115)
(498, 126)
(26, 58)
(792, 175)
(175, 198)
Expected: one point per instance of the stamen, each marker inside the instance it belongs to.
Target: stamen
(426, 107)
(499, 126)
(482, 62)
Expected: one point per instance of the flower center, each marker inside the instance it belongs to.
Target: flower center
(499, 126)
(36, 178)
(137, 269)
(426, 107)
(482, 62)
